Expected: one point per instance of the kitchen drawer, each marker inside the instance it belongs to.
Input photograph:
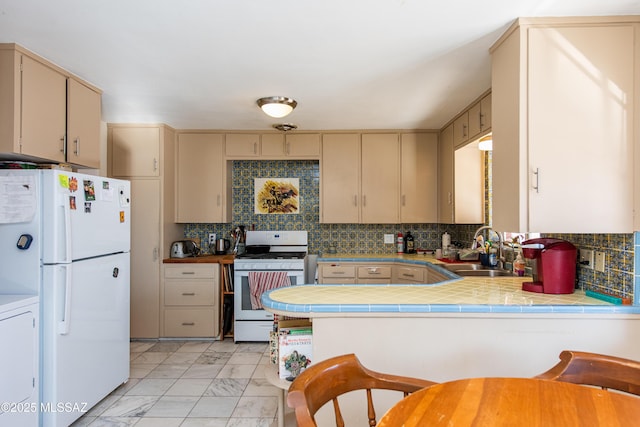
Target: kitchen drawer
(374, 272)
(190, 271)
(188, 293)
(336, 271)
(190, 322)
(404, 274)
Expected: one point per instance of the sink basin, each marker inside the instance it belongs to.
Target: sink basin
(476, 270)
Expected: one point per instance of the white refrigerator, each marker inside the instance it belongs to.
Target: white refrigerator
(66, 236)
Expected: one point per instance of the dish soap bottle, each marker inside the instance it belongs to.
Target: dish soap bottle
(409, 245)
(518, 265)
(400, 243)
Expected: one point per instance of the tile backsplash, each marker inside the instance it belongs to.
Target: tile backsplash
(621, 250)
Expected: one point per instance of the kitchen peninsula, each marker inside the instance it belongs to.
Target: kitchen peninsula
(459, 327)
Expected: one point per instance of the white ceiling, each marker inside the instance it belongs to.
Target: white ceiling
(350, 64)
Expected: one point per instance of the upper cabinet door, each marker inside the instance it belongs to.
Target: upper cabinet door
(242, 145)
(340, 178)
(43, 128)
(83, 125)
(480, 117)
(273, 145)
(380, 179)
(134, 151)
(461, 130)
(201, 195)
(419, 184)
(303, 145)
(445, 176)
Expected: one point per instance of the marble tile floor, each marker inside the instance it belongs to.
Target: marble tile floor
(192, 384)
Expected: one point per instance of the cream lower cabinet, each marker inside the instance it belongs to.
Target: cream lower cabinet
(202, 194)
(191, 300)
(144, 154)
(360, 178)
(408, 274)
(565, 100)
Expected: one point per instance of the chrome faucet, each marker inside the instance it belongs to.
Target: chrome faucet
(475, 242)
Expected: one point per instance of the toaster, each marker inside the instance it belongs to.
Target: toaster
(184, 249)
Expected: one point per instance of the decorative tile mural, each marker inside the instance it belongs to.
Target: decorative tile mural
(621, 254)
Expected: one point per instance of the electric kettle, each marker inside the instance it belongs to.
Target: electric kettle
(222, 246)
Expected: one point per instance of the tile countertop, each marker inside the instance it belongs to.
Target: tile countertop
(457, 295)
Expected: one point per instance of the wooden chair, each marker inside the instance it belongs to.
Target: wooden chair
(327, 380)
(597, 370)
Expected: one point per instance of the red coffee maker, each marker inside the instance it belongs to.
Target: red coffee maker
(553, 262)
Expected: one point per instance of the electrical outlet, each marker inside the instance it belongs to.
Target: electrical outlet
(388, 238)
(599, 262)
(212, 238)
(586, 258)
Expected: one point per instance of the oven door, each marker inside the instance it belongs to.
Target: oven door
(242, 297)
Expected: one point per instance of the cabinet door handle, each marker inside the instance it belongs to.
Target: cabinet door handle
(373, 270)
(255, 148)
(155, 164)
(364, 201)
(537, 186)
(188, 294)
(450, 197)
(218, 198)
(63, 149)
(155, 254)
(464, 131)
(481, 121)
(286, 150)
(355, 200)
(188, 324)
(76, 142)
(404, 200)
(188, 272)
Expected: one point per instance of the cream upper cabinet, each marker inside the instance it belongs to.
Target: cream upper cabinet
(445, 176)
(242, 145)
(83, 124)
(480, 117)
(461, 129)
(134, 150)
(380, 179)
(340, 178)
(39, 119)
(273, 145)
(419, 183)
(33, 107)
(202, 196)
(302, 145)
(469, 185)
(564, 108)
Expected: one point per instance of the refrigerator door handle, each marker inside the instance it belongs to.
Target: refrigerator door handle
(63, 325)
(66, 209)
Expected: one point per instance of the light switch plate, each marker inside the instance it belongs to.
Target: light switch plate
(599, 262)
(388, 238)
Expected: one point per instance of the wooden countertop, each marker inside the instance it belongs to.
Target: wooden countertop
(217, 259)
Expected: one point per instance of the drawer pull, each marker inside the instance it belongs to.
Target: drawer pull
(188, 272)
(188, 294)
(408, 275)
(338, 272)
(188, 324)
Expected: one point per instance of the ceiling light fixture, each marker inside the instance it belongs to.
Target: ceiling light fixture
(284, 127)
(277, 106)
(486, 143)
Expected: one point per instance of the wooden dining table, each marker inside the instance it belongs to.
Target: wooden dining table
(513, 402)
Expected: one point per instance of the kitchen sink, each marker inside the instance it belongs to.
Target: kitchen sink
(476, 270)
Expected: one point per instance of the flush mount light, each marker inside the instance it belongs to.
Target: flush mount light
(486, 143)
(277, 106)
(285, 126)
